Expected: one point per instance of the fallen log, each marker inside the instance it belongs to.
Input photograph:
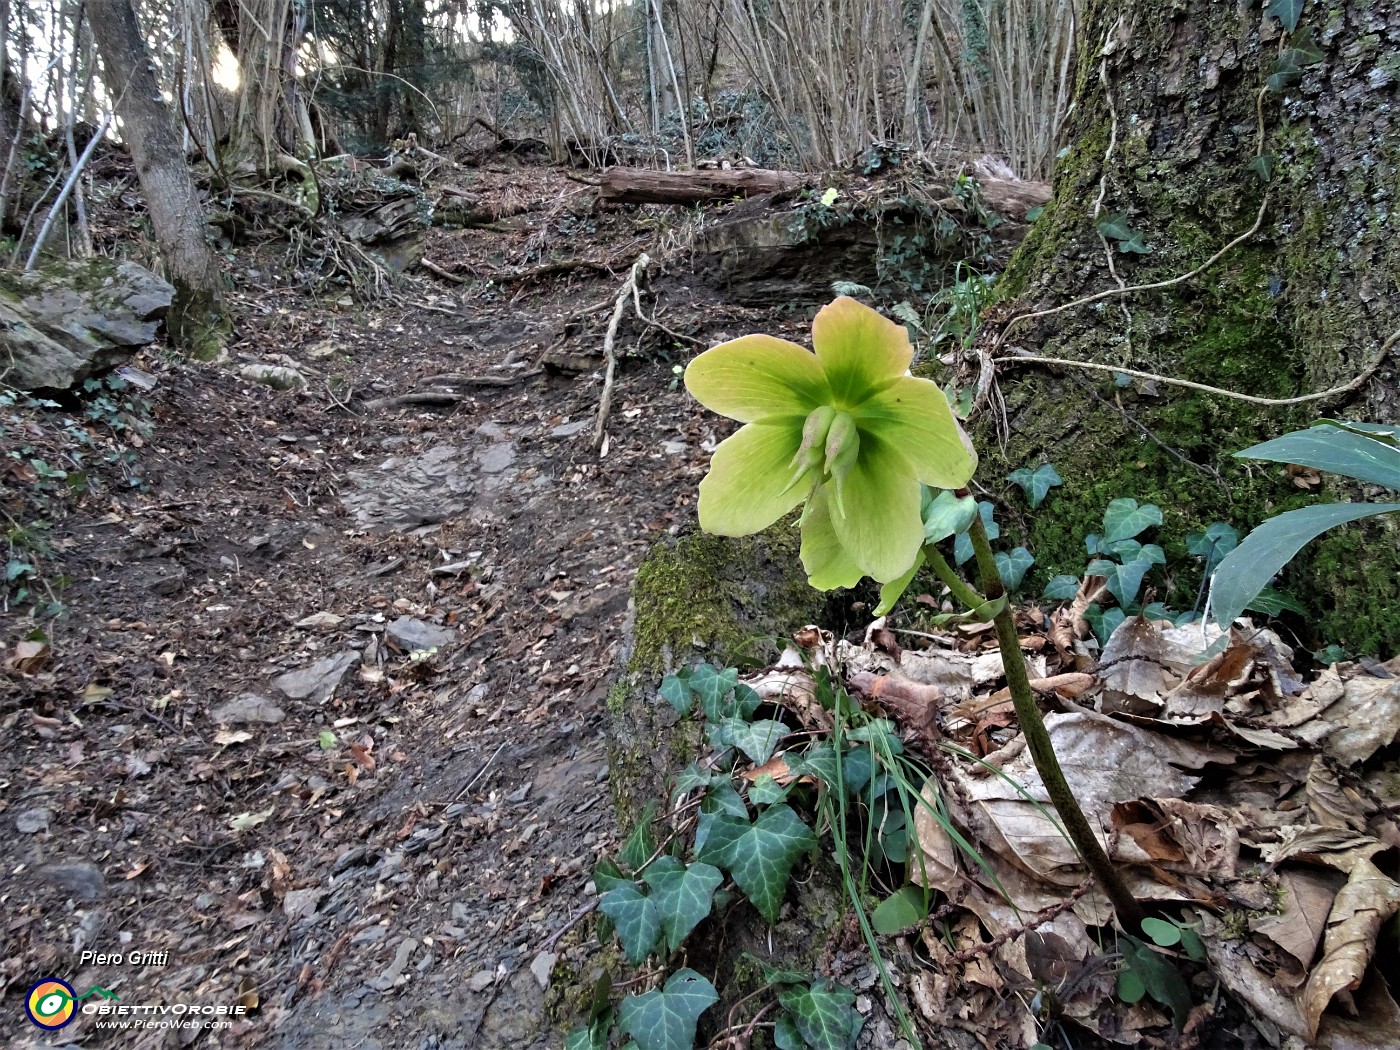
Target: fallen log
(643, 186)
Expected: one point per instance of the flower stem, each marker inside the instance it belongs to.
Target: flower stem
(1130, 914)
(961, 591)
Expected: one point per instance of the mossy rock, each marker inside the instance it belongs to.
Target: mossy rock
(696, 598)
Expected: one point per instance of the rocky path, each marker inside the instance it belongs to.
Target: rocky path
(324, 724)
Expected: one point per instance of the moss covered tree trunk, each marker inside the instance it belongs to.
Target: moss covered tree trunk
(1164, 131)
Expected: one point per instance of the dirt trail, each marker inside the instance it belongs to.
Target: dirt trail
(370, 846)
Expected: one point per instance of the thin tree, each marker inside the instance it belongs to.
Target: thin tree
(197, 321)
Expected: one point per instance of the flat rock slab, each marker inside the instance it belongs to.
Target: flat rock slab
(316, 683)
(404, 492)
(410, 634)
(248, 707)
(81, 878)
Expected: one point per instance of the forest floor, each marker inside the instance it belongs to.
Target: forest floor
(319, 732)
(229, 752)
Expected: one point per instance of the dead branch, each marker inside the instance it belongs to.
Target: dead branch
(629, 289)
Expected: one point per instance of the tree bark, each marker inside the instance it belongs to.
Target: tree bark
(197, 320)
(641, 186)
(1164, 131)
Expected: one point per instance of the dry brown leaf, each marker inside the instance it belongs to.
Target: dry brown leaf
(1335, 847)
(1367, 900)
(228, 737)
(1176, 835)
(1367, 718)
(1376, 1025)
(29, 657)
(1304, 904)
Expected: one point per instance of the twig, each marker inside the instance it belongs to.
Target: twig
(1272, 402)
(446, 275)
(629, 289)
(554, 937)
(62, 198)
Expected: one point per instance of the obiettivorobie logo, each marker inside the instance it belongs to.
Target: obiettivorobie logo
(52, 1003)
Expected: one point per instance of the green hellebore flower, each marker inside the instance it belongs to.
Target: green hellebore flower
(845, 429)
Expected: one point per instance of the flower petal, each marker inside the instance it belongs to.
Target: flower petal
(913, 416)
(757, 377)
(860, 351)
(748, 486)
(827, 563)
(881, 528)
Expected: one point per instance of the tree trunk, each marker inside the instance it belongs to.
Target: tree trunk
(1163, 134)
(197, 320)
(642, 186)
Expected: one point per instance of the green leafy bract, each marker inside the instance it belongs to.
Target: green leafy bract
(682, 895)
(1125, 519)
(824, 1015)
(1036, 483)
(761, 855)
(665, 1018)
(635, 917)
(947, 515)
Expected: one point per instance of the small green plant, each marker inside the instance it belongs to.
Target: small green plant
(1367, 452)
(1142, 971)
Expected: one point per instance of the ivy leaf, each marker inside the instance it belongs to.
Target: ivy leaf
(1012, 566)
(824, 1015)
(1286, 11)
(1036, 483)
(786, 1036)
(682, 895)
(1124, 519)
(1104, 621)
(1263, 166)
(721, 797)
(1061, 588)
(676, 693)
(591, 1037)
(716, 835)
(711, 687)
(664, 1019)
(1123, 581)
(904, 908)
(962, 546)
(606, 875)
(636, 919)
(640, 845)
(1213, 543)
(757, 740)
(692, 777)
(765, 790)
(878, 731)
(761, 858)
(1115, 227)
